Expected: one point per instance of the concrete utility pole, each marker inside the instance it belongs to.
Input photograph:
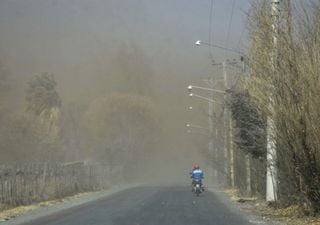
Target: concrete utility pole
(227, 132)
(271, 182)
(212, 169)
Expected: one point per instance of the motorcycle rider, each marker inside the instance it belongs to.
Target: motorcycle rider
(197, 174)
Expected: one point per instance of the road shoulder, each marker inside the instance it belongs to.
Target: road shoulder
(26, 214)
(242, 208)
(260, 211)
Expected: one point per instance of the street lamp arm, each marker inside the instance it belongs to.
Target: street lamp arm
(198, 43)
(197, 126)
(207, 89)
(204, 98)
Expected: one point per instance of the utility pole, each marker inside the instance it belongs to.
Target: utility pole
(212, 170)
(271, 182)
(227, 132)
(228, 129)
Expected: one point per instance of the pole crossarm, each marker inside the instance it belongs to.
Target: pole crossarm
(190, 87)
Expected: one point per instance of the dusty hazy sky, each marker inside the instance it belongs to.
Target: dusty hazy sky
(81, 40)
(63, 35)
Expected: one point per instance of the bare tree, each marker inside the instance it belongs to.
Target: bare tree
(293, 84)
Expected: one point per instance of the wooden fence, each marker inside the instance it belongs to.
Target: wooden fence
(28, 183)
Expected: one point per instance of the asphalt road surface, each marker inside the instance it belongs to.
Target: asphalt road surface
(150, 206)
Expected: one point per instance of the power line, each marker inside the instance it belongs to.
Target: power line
(229, 26)
(210, 28)
(240, 38)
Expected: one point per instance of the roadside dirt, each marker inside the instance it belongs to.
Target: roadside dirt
(14, 212)
(292, 215)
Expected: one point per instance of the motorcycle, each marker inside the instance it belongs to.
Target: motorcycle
(197, 187)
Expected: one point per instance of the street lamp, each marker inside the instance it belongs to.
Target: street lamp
(190, 87)
(210, 129)
(243, 58)
(197, 130)
(204, 98)
(196, 126)
(198, 43)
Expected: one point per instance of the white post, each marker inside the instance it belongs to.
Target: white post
(248, 174)
(231, 152)
(271, 182)
(271, 189)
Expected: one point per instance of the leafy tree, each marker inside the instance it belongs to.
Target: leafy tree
(251, 135)
(73, 138)
(18, 139)
(44, 103)
(121, 127)
(42, 96)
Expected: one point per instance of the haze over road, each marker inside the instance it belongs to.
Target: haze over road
(150, 206)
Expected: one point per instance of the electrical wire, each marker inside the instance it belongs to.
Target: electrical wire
(210, 38)
(240, 39)
(229, 26)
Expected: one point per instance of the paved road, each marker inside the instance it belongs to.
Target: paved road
(149, 206)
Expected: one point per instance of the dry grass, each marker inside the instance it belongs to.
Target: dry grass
(293, 215)
(11, 213)
(235, 195)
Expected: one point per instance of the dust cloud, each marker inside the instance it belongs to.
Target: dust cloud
(120, 70)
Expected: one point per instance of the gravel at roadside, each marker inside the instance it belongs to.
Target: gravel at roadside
(263, 214)
(243, 207)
